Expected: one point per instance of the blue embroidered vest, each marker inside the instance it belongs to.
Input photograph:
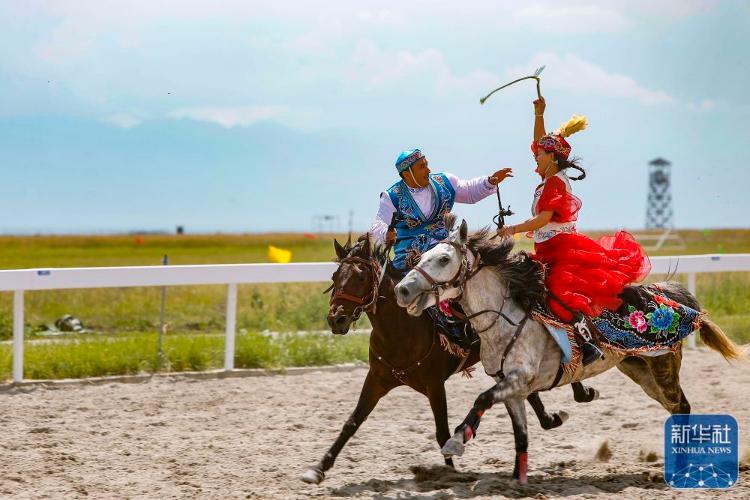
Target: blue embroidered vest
(418, 232)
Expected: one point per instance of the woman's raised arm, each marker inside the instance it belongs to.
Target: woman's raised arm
(539, 106)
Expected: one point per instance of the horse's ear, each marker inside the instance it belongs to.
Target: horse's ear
(340, 252)
(463, 232)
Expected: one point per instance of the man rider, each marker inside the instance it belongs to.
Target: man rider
(421, 200)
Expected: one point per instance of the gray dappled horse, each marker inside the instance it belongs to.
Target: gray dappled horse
(404, 350)
(497, 290)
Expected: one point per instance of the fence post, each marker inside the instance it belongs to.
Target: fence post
(162, 324)
(691, 289)
(18, 336)
(231, 327)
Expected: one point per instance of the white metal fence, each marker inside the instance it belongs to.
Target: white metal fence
(20, 280)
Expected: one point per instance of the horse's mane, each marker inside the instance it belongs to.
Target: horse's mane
(523, 275)
(377, 253)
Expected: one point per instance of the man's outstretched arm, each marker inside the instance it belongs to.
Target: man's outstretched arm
(479, 188)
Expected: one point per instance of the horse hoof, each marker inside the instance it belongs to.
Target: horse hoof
(595, 396)
(454, 447)
(521, 482)
(313, 476)
(555, 421)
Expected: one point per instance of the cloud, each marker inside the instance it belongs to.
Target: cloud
(429, 70)
(384, 17)
(227, 117)
(568, 19)
(601, 16)
(668, 9)
(112, 58)
(704, 105)
(377, 68)
(123, 120)
(574, 74)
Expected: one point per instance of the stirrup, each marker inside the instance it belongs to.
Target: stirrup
(590, 352)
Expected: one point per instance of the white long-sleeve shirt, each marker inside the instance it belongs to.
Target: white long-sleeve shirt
(470, 191)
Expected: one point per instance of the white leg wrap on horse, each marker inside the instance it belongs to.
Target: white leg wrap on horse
(454, 447)
(313, 476)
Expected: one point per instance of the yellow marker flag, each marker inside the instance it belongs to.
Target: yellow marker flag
(279, 255)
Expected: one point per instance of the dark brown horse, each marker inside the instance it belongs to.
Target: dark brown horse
(404, 350)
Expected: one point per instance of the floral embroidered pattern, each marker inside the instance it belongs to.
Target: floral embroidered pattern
(637, 320)
(661, 324)
(418, 232)
(663, 319)
(542, 235)
(553, 143)
(409, 161)
(445, 308)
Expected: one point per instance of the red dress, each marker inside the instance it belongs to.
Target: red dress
(584, 274)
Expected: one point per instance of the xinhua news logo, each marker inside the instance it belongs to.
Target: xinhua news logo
(701, 451)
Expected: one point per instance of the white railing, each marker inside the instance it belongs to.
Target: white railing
(20, 280)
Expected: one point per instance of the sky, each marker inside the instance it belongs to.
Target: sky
(258, 115)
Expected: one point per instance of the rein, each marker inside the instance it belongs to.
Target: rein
(463, 274)
(499, 314)
(366, 303)
(501, 374)
(363, 305)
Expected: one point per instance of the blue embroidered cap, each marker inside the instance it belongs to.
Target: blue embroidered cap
(407, 158)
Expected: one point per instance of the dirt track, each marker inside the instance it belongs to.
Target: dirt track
(252, 437)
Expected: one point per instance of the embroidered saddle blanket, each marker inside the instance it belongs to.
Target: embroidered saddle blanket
(648, 323)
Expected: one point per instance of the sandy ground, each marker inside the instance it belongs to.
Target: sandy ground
(253, 437)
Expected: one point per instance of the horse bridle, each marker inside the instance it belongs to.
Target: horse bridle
(465, 272)
(366, 303)
(458, 280)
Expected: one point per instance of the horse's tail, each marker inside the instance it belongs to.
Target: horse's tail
(716, 339)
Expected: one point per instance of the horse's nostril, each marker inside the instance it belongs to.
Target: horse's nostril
(403, 291)
(341, 320)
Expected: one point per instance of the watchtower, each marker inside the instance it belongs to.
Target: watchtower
(659, 205)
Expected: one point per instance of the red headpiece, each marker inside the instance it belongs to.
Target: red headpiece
(552, 143)
(555, 142)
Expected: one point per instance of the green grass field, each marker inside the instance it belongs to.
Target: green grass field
(124, 319)
(93, 356)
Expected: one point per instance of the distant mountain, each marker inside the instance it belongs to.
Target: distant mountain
(76, 173)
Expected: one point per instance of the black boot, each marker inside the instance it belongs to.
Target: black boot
(590, 352)
(455, 330)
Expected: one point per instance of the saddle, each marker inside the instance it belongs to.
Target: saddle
(647, 320)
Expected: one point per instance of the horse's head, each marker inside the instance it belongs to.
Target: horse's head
(355, 284)
(438, 276)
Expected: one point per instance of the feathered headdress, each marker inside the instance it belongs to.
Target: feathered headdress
(570, 127)
(555, 142)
